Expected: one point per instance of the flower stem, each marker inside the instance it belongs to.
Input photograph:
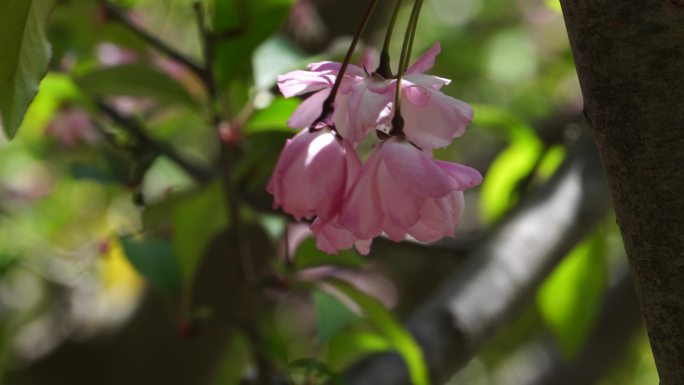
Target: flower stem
(407, 46)
(413, 34)
(329, 103)
(384, 68)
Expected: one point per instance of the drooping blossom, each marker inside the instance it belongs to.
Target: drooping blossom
(402, 190)
(313, 173)
(365, 102)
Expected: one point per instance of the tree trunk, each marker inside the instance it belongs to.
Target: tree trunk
(630, 61)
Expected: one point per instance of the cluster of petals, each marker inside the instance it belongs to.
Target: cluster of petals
(365, 102)
(400, 190)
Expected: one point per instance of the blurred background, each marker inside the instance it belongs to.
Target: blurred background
(124, 261)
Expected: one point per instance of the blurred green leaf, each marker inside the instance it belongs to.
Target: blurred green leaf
(155, 260)
(400, 339)
(511, 166)
(553, 157)
(233, 364)
(197, 218)
(137, 79)
(308, 255)
(515, 163)
(332, 314)
(570, 297)
(25, 57)
(500, 121)
(554, 5)
(272, 58)
(263, 18)
(350, 344)
(316, 367)
(272, 118)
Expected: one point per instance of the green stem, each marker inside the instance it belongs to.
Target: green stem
(413, 34)
(397, 120)
(329, 103)
(384, 68)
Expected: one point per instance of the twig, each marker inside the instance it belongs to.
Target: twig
(119, 15)
(200, 173)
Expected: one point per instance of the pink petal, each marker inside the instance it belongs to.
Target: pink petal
(462, 177)
(363, 246)
(427, 81)
(366, 107)
(426, 61)
(361, 212)
(400, 205)
(309, 110)
(302, 82)
(334, 67)
(331, 237)
(353, 164)
(437, 123)
(417, 95)
(414, 169)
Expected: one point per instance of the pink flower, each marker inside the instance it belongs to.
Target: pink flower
(332, 237)
(313, 174)
(402, 191)
(366, 102)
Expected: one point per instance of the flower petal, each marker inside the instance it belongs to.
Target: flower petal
(361, 213)
(426, 61)
(400, 205)
(309, 110)
(438, 122)
(414, 169)
(461, 177)
(366, 107)
(303, 82)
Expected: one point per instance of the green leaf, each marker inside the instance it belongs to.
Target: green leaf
(500, 185)
(348, 345)
(570, 297)
(233, 362)
(155, 260)
(315, 366)
(272, 58)
(511, 166)
(332, 315)
(263, 18)
(400, 339)
(136, 79)
(25, 57)
(196, 219)
(308, 255)
(272, 118)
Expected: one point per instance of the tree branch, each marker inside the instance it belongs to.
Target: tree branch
(630, 62)
(499, 278)
(200, 173)
(119, 15)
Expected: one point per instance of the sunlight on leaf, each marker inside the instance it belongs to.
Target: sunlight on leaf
(332, 314)
(387, 324)
(25, 57)
(154, 259)
(570, 297)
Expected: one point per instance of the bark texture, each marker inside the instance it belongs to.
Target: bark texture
(630, 61)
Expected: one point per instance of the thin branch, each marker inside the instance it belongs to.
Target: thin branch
(120, 16)
(501, 277)
(200, 173)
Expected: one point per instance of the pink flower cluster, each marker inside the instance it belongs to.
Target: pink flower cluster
(400, 190)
